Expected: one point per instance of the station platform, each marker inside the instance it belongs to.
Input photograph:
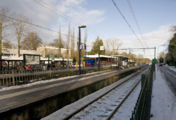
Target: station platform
(10, 100)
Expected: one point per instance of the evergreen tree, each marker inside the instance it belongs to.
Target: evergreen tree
(98, 42)
(171, 55)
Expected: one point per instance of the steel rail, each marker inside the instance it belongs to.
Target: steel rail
(113, 112)
(77, 111)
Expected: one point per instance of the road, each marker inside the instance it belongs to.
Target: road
(170, 76)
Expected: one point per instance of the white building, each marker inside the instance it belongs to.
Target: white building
(14, 52)
(42, 51)
(49, 50)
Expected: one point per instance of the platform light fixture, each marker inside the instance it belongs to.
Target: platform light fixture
(83, 26)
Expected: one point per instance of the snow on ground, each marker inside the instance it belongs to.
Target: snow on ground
(101, 109)
(163, 99)
(125, 111)
(65, 111)
(4, 88)
(171, 67)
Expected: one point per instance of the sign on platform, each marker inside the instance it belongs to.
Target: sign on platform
(102, 47)
(52, 57)
(31, 59)
(82, 46)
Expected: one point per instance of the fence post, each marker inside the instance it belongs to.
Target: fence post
(143, 77)
(13, 77)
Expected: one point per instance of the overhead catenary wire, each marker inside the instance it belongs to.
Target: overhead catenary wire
(41, 27)
(136, 21)
(134, 16)
(127, 23)
(37, 25)
(65, 16)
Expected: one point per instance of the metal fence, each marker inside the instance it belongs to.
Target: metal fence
(143, 104)
(22, 76)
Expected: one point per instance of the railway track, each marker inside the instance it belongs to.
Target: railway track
(106, 105)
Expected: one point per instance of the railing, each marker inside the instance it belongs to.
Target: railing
(18, 77)
(21, 76)
(143, 104)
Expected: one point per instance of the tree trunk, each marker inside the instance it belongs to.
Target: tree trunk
(19, 38)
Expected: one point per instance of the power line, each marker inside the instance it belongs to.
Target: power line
(132, 11)
(127, 22)
(36, 25)
(65, 16)
(40, 27)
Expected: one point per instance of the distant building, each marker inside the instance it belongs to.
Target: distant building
(49, 50)
(14, 52)
(43, 51)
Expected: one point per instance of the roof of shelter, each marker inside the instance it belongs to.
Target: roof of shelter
(104, 56)
(120, 56)
(96, 56)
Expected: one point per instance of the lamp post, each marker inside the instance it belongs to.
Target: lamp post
(83, 26)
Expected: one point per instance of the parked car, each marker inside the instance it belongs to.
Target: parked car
(160, 64)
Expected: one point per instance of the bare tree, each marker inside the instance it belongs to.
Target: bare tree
(31, 41)
(7, 44)
(162, 55)
(125, 54)
(21, 27)
(68, 41)
(107, 47)
(58, 43)
(115, 44)
(4, 23)
(140, 58)
(85, 37)
(112, 44)
(72, 44)
(76, 54)
(85, 40)
(173, 28)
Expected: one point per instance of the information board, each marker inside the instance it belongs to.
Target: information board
(31, 59)
(102, 48)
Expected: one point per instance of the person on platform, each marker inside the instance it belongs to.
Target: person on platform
(29, 68)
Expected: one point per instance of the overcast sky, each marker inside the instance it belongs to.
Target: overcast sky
(102, 19)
